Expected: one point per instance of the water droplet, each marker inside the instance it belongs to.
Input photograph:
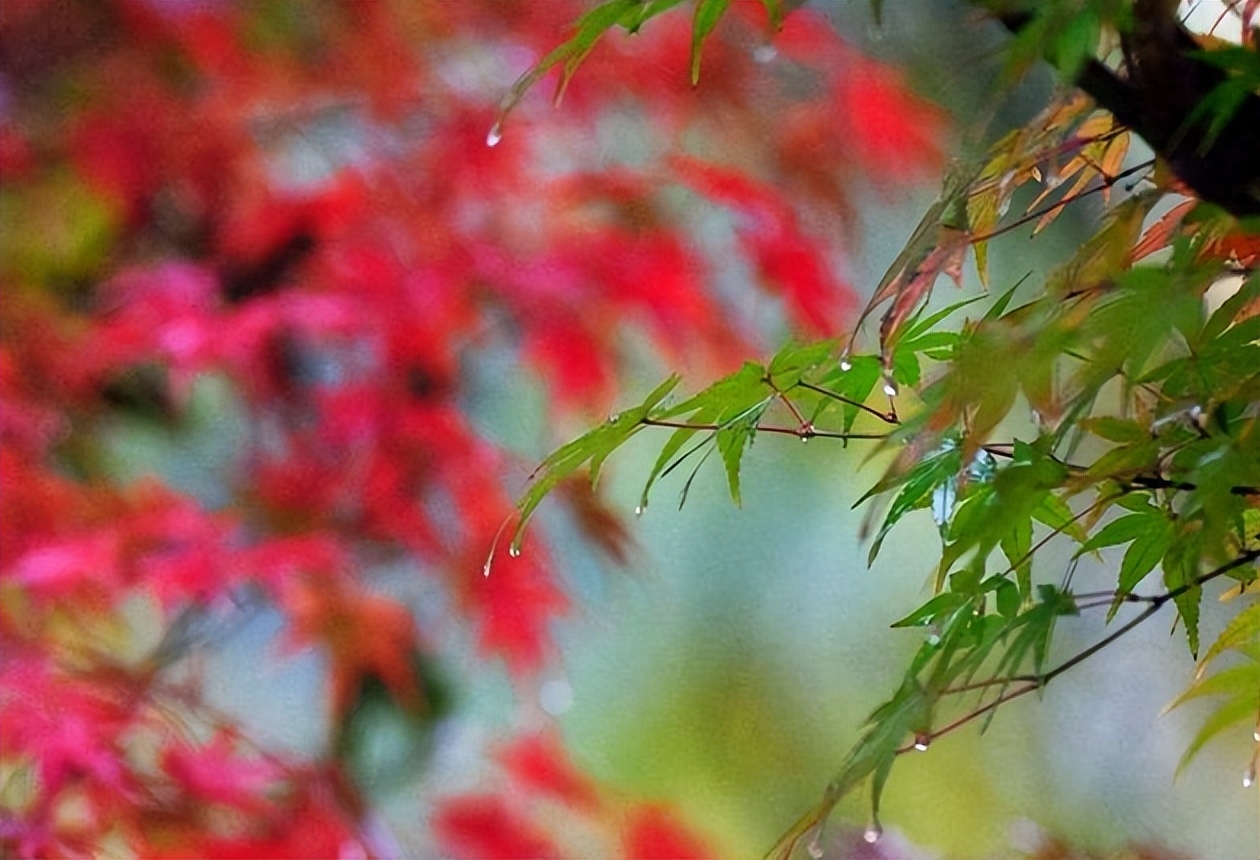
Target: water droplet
(485, 568)
(814, 847)
(934, 639)
(922, 740)
(1249, 778)
(495, 134)
(806, 431)
(612, 417)
(765, 53)
(846, 365)
(514, 551)
(890, 388)
(1256, 736)
(873, 833)
(638, 510)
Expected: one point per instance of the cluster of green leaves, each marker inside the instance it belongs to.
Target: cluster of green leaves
(630, 16)
(1065, 32)
(1144, 436)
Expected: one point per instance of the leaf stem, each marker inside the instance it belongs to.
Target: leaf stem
(1036, 214)
(886, 417)
(1036, 681)
(786, 431)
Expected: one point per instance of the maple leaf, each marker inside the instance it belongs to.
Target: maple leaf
(938, 245)
(652, 832)
(539, 763)
(308, 823)
(783, 254)
(219, 773)
(70, 729)
(513, 609)
(894, 132)
(486, 827)
(362, 634)
(1159, 235)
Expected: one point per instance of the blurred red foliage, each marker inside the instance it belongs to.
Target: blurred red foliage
(298, 199)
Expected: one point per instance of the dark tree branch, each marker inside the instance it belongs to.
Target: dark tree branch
(1160, 98)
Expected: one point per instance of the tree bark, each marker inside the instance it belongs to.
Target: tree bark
(1164, 83)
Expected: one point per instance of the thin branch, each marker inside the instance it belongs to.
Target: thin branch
(1035, 548)
(1155, 482)
(1045, 210)
(886, 417)
(1045, 153)
(798, 432)
(1036, 681)
(805, 426)
(1138, 482)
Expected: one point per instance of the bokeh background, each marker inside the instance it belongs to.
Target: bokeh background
(729, 665)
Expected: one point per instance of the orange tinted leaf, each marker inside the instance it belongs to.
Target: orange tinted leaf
(363, 634)
(913, 285)
(1160, 234)
(486, 827)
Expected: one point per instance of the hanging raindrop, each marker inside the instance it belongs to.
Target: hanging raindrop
(890, 387)
(873, 833)
(922, 740)
(845, 364)
(495, 134)
(514, 551)
(765, 53)
(814, 847)
(485, 568)
(1249, 778)
(1256, 736)
(806, 431)
(638, 510)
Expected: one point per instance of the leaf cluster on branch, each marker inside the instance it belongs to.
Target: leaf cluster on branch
(1137, 358)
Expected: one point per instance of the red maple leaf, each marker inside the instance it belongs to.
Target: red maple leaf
(362, 634)
(653, 832)
(486, 827)
(540, 764)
